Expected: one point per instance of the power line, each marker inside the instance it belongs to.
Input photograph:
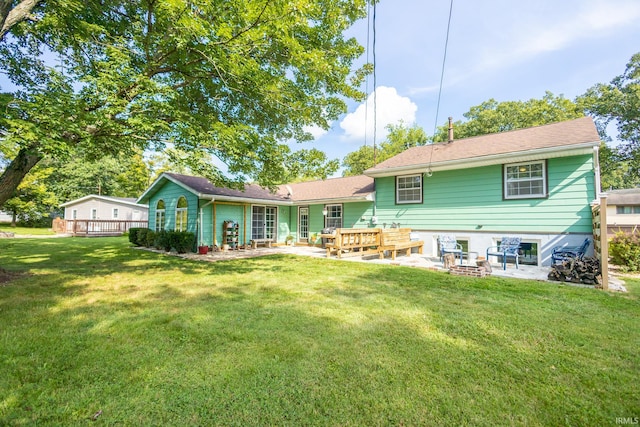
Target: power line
(375, 88)
(444, 59)
(366, 89)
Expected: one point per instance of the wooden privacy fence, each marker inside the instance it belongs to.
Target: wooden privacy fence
(600, 242)
(96, 227)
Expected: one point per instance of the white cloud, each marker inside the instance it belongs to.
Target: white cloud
(391, 108)
(538, 34)
(315, 130)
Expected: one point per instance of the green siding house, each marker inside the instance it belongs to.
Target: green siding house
(301, 210)
(537, 184)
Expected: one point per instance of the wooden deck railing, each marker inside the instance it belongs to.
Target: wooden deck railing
(96, 227)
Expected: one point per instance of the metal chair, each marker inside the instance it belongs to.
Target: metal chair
(508, 247)
(560, 253)
(449, 245)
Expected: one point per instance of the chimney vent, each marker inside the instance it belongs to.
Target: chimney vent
(450, 129)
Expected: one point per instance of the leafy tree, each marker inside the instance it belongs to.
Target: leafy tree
(400, 138)
(492, 116)
(356, 162)
(118, 177)
(32, 201)
(208, 77)
(307, 165)
(619, 102)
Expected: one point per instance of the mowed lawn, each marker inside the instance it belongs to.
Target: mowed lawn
(93, 327)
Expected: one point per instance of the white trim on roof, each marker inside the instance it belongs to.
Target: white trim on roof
(250, 200)
(496, 159)
(369, 197)
(106, 199)
(172, 179)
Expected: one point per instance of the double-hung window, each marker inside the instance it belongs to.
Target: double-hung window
(334, 216)
(525, 180)
(409, 189)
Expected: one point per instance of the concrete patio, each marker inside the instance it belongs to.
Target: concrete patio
(414, 260)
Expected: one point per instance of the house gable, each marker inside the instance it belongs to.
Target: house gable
(170, 192)
(564, 139)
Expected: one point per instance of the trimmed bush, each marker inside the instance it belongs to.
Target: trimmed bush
(624, 250)
(141, 239)
(133, 235)
(162, 240)
(151, 238)
(182, 241)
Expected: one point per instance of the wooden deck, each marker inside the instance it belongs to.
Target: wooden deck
(96, 227)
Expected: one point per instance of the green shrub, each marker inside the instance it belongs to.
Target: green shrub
(624, 250)
(151, 238)
(182, 241)
(141, 239)
(133, 235)
(162, 240)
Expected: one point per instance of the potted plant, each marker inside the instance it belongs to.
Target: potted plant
(289, 240)
(312, 239)
(203, 249)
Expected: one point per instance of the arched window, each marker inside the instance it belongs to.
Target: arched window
(181, 214)
(160, 215)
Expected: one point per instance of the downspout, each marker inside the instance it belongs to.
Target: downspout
(596, 171)
(200, 225)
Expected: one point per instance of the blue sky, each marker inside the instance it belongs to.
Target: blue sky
(501, 49)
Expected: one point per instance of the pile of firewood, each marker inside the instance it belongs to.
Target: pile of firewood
(585, 270)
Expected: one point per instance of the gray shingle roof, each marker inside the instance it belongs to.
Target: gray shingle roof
(557, 135)
(349, 187)
(630, 196)
(203, 186)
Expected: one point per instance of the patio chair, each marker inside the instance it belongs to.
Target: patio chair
(449, 245)
(560, 253)
(508, 247)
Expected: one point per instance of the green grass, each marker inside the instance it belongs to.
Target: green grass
(26, 231)
(149, 339)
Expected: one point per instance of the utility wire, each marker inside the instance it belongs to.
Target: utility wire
(366, 88)
(444, 60)
(375, 88)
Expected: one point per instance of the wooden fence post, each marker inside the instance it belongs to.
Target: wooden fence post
(604, 242)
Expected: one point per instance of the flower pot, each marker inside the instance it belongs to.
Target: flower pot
(202, 250)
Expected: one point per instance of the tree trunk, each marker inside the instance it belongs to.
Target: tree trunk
(11, 16)
(16, 171)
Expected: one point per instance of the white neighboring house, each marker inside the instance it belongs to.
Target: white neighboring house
(104, 208)
(623, 210)
(5, 217)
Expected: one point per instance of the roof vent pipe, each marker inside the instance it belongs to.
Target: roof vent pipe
(450, 129)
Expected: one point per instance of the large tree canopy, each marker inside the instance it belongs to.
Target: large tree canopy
(619, 102)
(492, 116)
(400, 138)
(209, 77)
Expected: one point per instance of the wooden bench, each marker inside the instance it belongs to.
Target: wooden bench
(266, 242)
(398, 239)
(354, 241)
